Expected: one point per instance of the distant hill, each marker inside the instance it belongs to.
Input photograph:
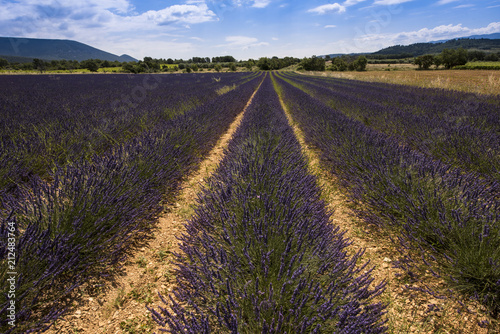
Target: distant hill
(487, 36)
(418, 49)
(487, 43)
(334, 55)
(53, 49)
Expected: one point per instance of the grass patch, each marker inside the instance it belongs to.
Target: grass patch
(137, 326)
(225, 89)
(480, 65)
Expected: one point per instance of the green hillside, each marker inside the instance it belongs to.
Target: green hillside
(54, 49)
(419, 49)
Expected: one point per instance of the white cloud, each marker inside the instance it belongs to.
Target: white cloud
(445, 2)
(157, 47)
(464, 6)
(261, 3)
(47, 6)
(374, 42)
(330, 26)
(390, 2)
(348, 3)
(189, 14)
(32, 16)
(331, 7)
(242, 42)
(240, 3)
(444, 32)
(110, 25)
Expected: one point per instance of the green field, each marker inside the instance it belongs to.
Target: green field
(480, 65)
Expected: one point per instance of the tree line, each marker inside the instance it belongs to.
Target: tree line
(61, 65)
(450, 58)
(154, 65)
(148, 64)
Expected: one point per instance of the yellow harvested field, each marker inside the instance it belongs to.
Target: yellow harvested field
(473, 81)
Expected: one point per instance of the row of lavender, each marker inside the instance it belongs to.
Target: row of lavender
(49, 120)
(259, 255)
(450, 217)
(453, 106)
(82, 223)
(461, 129)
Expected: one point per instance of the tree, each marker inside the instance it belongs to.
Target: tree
(150, 64)
(39, 65)
(451, 58)
(129, 68)
(492, 57)
(313, 64)
(3, 63)
(264, 64)
(341, 64)
(360, 63)
(223, 59)
(438, 61)
(474, 55)
(461, 56)
(249, 64)
(91, 65)
(338, 64)
(447, 56)
(218, 67)
(232, 67)
(424, 62)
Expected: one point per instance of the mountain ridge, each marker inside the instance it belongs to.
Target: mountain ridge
(489, 42)
(485, 36)
(54, 49)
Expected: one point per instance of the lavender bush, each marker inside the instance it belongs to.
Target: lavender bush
(433, 207)
(259, 255)
(461, 129)
(84, 221)
(48, 120)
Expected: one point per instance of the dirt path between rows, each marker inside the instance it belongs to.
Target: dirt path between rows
(121, 308)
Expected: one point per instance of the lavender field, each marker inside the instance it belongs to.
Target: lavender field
(89, 163)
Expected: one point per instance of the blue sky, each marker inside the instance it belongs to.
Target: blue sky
(247, 28)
